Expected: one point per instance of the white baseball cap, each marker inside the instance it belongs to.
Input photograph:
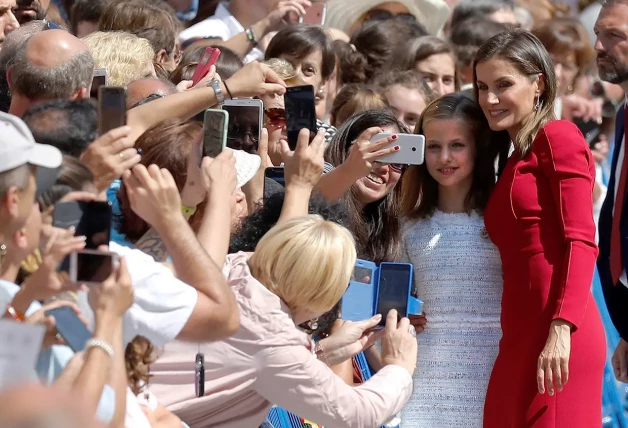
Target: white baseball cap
(18, 147)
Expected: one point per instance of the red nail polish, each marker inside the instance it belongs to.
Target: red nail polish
(397, 148)
(394, 137)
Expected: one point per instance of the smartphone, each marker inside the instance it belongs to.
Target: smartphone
(209, 58)
(590, 129)
(315, 14)
(111, 108)
(100, 79)
(394, 288)
(70, 327)
(358, 301)
(90, 219)
(300, 112)
(92, 267)
(215, 132)
(276, 173)
(199, 374)
(411, 149)
(245, 123)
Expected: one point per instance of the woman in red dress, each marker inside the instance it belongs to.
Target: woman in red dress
(548, 373)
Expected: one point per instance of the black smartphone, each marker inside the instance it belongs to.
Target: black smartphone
(91, 219)
(91, 267)
(100, 79)
(111, 108)
(300, 112)
(275, 173)
(70, 327)
(215, 132)
(590, 129)
(394, 287)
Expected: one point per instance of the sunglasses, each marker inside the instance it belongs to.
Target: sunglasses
(383, 15)
(398, 167)
(275, 116)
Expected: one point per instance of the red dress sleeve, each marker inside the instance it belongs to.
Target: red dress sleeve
(568, 164)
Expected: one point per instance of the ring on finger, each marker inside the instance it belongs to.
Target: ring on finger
(121, 155)
(412, 331)
(58, 336)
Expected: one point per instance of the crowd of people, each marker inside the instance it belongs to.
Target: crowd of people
(224, 297)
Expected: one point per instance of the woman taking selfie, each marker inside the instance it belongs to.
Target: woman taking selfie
(548, 372)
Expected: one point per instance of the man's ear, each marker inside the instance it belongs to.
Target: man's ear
(161, 57)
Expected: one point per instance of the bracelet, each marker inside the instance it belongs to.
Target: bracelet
(15, 315)
(97, 343)
(320, 353)
(250, 35)
(188, 210)
(227, 88)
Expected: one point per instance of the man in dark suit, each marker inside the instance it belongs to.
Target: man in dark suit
(612, 60)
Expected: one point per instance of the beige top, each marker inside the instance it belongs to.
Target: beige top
(269, 361)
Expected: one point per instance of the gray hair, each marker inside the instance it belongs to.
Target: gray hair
(15, 41)
(36, 82)
(16, 177)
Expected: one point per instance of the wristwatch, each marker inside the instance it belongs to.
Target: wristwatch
(215, 85)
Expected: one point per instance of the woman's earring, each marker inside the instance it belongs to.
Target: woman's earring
(313, 324)
(537, 104)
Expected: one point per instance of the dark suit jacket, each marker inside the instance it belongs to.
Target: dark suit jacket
(616, 295)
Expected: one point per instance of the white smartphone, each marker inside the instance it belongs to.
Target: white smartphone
(411, 149)
(315, 14)
(91, 267)
(245, 123)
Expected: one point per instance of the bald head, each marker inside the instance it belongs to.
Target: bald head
(143, 88)
(53, 48)
(53, 65)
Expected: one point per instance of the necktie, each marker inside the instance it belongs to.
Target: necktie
(617, 265)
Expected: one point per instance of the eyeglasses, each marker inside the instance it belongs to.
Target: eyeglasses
(383, 15)
(275, 117)
(398, 167)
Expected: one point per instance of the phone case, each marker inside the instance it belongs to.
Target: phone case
(251, 103)
(209, 58)
(315, 15)
(411, 149)
(111, 108)
(74, 267)
(210, 148)
(358, 300)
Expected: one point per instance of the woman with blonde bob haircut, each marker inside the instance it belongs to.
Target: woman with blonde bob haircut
(125, 56)
(282, 262)
(300, 270)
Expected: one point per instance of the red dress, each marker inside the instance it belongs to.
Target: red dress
(540, 218)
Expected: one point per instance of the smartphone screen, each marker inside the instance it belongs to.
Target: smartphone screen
(100, 79)
(244, 127)
(214, 132)
(111, 108)
(300, 112)
(276, 174)
(394, 284)
(92, 266)
(362, 275)
(90, 219)
(70, 327)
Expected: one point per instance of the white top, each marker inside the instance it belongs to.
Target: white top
(222, 25)
(457, 273)
(163, 304)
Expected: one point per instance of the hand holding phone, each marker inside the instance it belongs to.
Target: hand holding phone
(411, 149)
(70, 327)
(315, 14)
(215, 128)
(304, 165)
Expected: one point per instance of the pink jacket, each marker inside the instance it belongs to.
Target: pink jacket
(269, 361)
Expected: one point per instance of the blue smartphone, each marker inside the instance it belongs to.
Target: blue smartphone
(70, 327)
(394, 288)
(357, 302)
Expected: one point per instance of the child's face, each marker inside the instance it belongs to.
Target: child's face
(450, 152)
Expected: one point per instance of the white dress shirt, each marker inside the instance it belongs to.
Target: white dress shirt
(222, 25)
